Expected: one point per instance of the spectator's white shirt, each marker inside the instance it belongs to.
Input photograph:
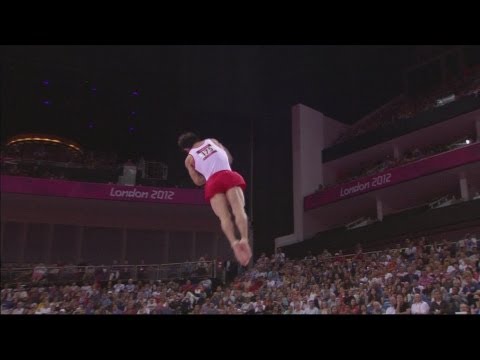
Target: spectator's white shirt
(420, 308)
(450, 269)
(298, 312)
(40, 269)
(119, 287)
(259, 307)
(245, 306)
(152, 304)
(45, 310)
(280, 257)
(207, 284)
(88, 289)
(313, 311)
(474, 241)
(390, 311)
(302, 304)
(17, 311)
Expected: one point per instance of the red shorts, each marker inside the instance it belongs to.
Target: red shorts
(222, 181)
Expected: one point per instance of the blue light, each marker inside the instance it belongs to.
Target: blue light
(135, 93)
(90, 125)
(133, 113)
(45, 82)
(47, 102)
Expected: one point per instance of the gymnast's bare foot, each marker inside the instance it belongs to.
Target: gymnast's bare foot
(242, 251)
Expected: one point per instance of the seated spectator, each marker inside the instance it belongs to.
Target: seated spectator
(439, 306)
(419, 306)
(464, 309)
(392, 309)
(39, 273)
(402, 306)
(311, 309)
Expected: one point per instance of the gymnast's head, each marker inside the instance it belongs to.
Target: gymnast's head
(186, 141)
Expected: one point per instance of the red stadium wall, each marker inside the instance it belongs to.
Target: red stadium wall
(47, 226)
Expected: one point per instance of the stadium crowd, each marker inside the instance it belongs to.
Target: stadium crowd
(405, 107)
(420, 278)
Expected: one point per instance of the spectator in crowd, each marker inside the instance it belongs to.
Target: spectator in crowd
(439, 306)
(419, 306)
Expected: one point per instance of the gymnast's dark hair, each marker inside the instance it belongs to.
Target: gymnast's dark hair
(186, 140)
